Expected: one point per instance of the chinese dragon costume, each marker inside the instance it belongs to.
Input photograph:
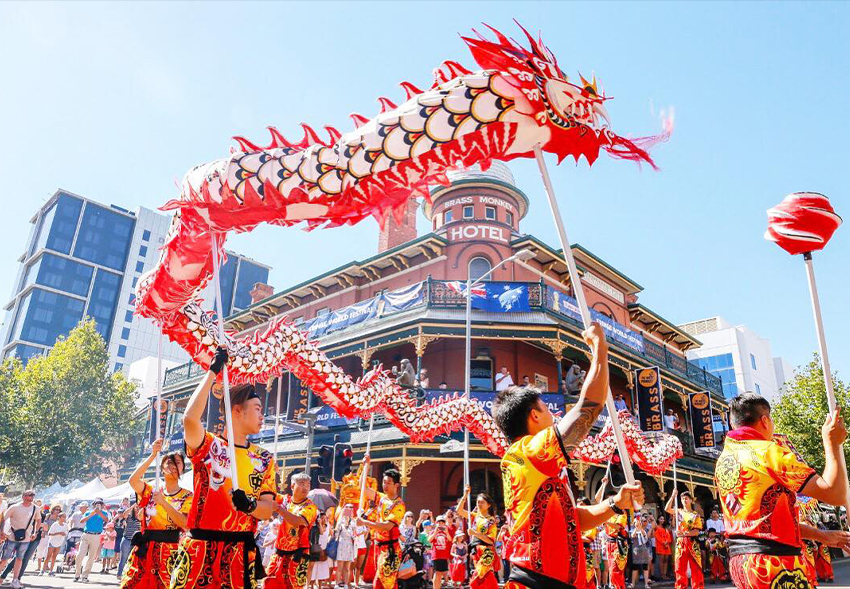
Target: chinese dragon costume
(519, 98)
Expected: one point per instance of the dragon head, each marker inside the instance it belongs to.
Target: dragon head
(573, 113)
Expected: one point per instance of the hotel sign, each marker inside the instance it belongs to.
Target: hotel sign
(475, 231)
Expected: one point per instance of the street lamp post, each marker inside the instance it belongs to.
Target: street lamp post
(520, 256)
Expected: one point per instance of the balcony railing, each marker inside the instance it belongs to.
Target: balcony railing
(449, 294)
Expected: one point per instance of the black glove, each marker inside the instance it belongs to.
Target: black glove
(219, 360)
(242, 502)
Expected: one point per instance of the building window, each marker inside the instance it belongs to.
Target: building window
(132, 299)
(135, 280)
(478, 267)
(448, 215)
(146, 235)
(122, 351)
(509, 219)
(59, 273)
(104, 301)
(104, 237)
(490, 213)
(758, 389)
(468, 211)
(125, 333)
(118, 367)
(753, 362)
(438, 220)
(43, 316)
(723, 367)
(128, 316)
(58, 224)
(322, 311)
(143, 250)
(140, 266)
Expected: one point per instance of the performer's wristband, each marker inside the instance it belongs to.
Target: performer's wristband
(614, 507)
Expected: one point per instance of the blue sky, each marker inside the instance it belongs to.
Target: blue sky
(115, 101)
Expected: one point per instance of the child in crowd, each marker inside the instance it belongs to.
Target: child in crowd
(107, 546)
(457, 569)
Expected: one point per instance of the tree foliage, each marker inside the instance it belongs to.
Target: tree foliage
(64, 415)
(802, 409)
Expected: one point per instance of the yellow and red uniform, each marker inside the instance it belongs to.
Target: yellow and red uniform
(545, 535)
(807, 508)
(823, 563)
(758, 481)
(288, 565)
(589, 563)
(484, 555)
(617, 550)
(688, 553)
(385, 544)
(220, 550)
(715, 558)
(150, 562)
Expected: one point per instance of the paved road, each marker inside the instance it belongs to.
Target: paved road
(842, 580)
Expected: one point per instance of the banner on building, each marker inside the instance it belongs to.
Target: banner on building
(378, 306)
(567, 305)
(496, 297)
(702, 422)
(648, 388)
(163, 412)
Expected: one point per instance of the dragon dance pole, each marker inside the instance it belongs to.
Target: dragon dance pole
(158, 403)
(824, 359)
(277, 417)
(466, 387)
(625, 459)
(365, 475)
(231, 449)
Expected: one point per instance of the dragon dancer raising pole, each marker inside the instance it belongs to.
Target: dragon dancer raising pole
(546, 544)
(758, 480)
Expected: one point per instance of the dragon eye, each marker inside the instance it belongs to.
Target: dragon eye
(590, 90)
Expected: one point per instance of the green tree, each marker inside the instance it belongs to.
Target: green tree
(66, 414)
(802, 409)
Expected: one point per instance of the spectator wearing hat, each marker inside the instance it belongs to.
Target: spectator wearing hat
(93, 523)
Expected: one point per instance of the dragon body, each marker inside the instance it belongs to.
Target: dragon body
(519, 99)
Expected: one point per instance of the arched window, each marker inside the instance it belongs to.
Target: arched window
(478, 267)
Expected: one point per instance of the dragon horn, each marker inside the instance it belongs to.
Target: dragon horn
(359, 120)
(246, 145)
(456, 69)
(386, 104)
(278, 140)
(310, 137)
(502, 39)
(333, 133)
(531, 41)
(410, 89)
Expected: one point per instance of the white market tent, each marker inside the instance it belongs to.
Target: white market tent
(116, 494)
(91, 490)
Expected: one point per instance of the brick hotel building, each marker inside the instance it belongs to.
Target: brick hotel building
(403, 303)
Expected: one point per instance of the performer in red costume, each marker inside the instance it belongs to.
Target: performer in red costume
(758, 480)
(220, 550)
(716, 546)
(163, 518)
(688, 554)
(482, 545)
(389, 513)
(546, 547)
(288, 565)
(823, 564)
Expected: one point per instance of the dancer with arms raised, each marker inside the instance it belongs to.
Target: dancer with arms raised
(546, 546)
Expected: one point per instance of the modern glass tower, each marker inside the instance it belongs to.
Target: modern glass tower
(84, 258)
